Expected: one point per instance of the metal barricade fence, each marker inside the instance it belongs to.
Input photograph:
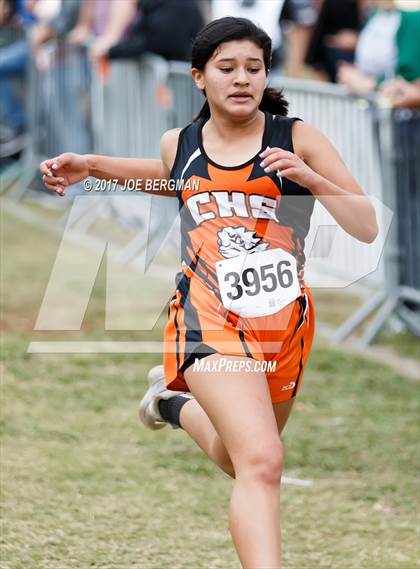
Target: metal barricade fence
(130, 111)
(59, 101)
(400, 170)
(187, 99)
(64, 92)
(406, 145)
(127, 115)
(57, 107)
(400, 155)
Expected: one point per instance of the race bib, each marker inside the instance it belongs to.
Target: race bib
(258, 284)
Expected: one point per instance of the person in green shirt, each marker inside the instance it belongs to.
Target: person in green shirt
(387, 55)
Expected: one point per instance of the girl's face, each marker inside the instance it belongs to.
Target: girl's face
(233, 78)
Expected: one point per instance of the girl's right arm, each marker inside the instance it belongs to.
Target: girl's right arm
(69, 168)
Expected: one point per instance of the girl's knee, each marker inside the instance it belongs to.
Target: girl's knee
(263, 463)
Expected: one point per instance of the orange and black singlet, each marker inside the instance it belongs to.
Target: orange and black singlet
(229, 213)
(233, 205)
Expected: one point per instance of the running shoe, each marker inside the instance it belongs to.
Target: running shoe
(149, 406)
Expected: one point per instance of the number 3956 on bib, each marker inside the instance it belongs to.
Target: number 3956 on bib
(258, 284)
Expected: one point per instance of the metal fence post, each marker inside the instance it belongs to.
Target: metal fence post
(395, 290)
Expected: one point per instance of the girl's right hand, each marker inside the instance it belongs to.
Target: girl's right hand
(64, 170)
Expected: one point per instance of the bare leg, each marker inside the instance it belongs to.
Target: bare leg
(246, 423)
(196, 423)
(194, 420)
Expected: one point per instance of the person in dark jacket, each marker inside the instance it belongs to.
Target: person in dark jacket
(155, 31)
(335, 36)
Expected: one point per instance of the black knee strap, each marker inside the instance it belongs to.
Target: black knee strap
(170, 409)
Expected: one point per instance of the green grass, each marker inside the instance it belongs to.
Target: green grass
(84, 485)
(404, 344)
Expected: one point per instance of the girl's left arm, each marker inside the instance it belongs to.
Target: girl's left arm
(316, 165)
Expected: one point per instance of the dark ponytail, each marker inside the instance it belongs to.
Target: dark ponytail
(204, 112)
(230, 29)
(274, 102)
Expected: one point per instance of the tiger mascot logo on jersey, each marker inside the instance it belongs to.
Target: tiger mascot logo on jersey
(233, 241)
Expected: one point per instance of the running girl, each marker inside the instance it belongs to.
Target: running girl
(241, 296)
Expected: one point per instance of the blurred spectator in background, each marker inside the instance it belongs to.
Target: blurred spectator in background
(13, 65)
(388, 54)
(102, 24)
(298, 18)
(334, 37)
(60, 104)
(24, 12)
(264, 13)
(402, 94)
(166, 27)
(55, 18)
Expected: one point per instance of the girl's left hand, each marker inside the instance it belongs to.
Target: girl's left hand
(289, 165)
